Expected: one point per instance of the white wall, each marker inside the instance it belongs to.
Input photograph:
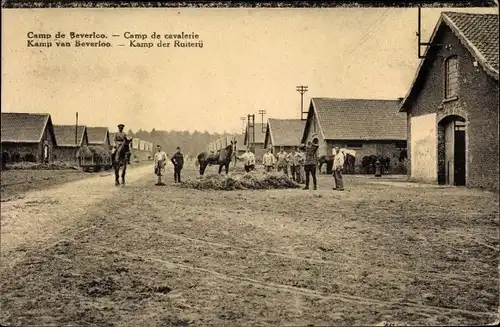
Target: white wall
(135, 143)
(424, 148)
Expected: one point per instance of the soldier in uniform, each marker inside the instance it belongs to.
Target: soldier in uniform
(120, 137)
(282, 157)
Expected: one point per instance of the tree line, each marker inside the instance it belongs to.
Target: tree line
(190, 143)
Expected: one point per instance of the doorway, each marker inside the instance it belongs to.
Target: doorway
(459, 151)
(452, 156)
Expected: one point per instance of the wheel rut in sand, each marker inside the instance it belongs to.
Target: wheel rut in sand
(43, 214)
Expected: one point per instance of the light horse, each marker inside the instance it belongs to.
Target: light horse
(120, 160)
(223, 158)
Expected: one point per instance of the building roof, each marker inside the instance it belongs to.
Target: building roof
(284, 132)
(23, 127)
(240, 142)
(259, 134)
(479, 35)
(357, 119)
(65, 135)
(97, 135)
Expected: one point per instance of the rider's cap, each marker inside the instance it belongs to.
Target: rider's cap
(121, 125)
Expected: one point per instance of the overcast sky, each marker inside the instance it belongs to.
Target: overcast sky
(251, 59)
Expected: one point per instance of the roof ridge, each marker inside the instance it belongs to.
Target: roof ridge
(28, 113)
(354, 99)
(468, 13)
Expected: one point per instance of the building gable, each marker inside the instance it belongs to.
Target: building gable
(478, 33)
(23, 127)
(355, 119)
(65, 135)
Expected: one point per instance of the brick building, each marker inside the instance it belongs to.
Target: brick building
(285, 133)
(69, 142)
(369, 127)
(27, 137)
(452, 105)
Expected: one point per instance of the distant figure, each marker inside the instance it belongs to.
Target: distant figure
(46, 151)
(160, 160)
(294, 159)
(310, 165)
(178, 161)
(302, 173)
(248, 160)
(282, 161)
(268, 160)
(120, 138)
(338, 165)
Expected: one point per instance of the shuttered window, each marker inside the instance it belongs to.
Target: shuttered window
(451, 75)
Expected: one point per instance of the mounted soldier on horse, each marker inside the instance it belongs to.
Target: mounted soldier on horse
(121, 153)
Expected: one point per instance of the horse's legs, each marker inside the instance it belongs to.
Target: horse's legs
(124, 170)
(227, 168)
(220, 168)
(117, 172)
(202, 168)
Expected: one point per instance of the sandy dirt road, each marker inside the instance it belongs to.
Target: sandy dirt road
(39, 215)
(384, 250)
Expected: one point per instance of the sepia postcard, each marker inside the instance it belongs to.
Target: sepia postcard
(249, 164)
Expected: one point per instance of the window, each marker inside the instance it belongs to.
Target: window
(401, 145)
(451, 77)
(459, 126)
(355, 145)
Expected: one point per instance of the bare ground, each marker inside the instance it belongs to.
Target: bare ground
(86, 252)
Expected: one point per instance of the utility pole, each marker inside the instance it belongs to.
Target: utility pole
(76, 130)
(301, 89)
(251, 124)
(262, 113)
(243, 124)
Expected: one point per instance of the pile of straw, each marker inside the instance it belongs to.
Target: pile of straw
(43, 166)
(238, 181)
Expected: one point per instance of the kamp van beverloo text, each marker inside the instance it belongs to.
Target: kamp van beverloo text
(126, 39)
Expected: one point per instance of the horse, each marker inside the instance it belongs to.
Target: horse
(325, 159)
(120, 160)
(223, 158)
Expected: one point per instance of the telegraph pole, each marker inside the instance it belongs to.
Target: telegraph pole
(76, 130)
(301, 89)
(251, 123)
(262, 113)
(243, 124)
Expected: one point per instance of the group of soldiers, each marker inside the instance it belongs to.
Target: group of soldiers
(292, 162)
(301, 162)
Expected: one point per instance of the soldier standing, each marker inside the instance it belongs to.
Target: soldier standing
(294, 158)
(311, 161)
(248, 160)
(160, 163)
(338, 165)
(282, 161)
(268, 160)
(178, 161)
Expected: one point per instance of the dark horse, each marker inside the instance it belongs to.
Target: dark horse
(222, 158)
(120, 160)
